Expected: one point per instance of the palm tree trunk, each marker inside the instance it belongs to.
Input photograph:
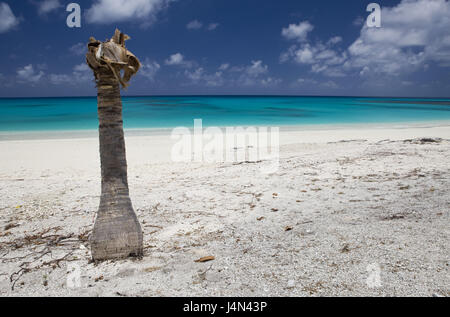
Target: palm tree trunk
(117, 232)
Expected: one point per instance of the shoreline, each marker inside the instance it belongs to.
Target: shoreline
(62, 150)
(151, 132)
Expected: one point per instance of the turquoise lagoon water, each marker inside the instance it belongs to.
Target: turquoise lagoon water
(43, 114)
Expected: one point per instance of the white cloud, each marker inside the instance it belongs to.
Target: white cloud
(270, 81)
(83, 67)
(334, 40)
(78, 49)
(47, 6)
(195, 75)
(175, 59)
(254, 75)
(297, 32)
(200, 76)
(256, 69)
(27, 74)
(305, 81)
(213, 26)
(305, 55)
(407, 83)
(81, 74)
(359, 21)
(7, 18)
(149, 69)
(194, 25)
(59, 79)
(322, 58)
(413, 35)
(287, 55)
(178, 60)
(224, 66)
(197, 25)
(308, 82)
(330, 84)
(110, 11)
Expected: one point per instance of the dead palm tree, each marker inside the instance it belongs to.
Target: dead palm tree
(117, 232)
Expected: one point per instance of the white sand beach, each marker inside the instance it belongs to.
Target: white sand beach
(351, 211)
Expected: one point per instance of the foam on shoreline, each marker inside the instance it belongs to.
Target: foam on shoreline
(322, 129)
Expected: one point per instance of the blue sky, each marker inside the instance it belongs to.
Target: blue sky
(288, 47)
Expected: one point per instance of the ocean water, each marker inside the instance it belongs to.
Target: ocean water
(50, 114)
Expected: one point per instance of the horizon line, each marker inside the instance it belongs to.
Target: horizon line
(237, 95)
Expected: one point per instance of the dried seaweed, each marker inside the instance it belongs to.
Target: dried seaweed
(42, 244)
